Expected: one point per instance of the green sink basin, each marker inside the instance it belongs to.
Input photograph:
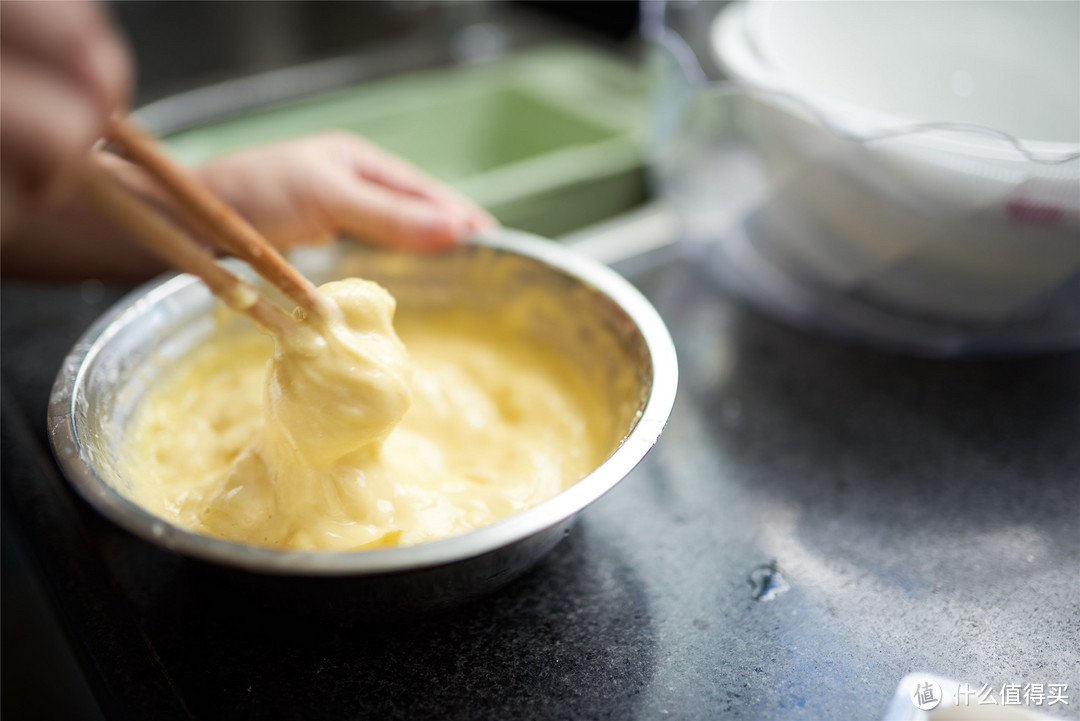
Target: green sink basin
(548, 140)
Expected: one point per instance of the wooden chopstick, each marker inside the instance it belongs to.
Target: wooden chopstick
(215, 217)
(103, 190)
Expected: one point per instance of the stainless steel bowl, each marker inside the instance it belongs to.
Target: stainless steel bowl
(587, 309)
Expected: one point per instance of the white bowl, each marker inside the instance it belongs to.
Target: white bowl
(1011, 66)
(924, 158)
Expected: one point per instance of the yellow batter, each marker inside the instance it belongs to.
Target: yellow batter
(342, 441)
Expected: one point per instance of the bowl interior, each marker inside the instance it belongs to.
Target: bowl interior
(598, 319)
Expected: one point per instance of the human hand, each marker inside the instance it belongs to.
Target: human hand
(64, 71)
(296, 192)
(315, 188)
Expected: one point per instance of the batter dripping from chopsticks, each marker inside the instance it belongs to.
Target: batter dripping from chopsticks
(342, 441)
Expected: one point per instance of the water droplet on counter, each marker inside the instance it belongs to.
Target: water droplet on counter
(767, 582)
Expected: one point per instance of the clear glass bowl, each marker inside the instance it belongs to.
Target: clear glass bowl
(933, 235)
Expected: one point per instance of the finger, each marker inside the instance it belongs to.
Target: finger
(404, 179)
(45, 128)
(390, 218)
(376, 165)
(76, 41)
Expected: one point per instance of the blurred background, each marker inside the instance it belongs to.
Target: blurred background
(536, 110)
(185, 44)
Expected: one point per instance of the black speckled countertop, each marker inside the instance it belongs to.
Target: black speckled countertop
(922, 516)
